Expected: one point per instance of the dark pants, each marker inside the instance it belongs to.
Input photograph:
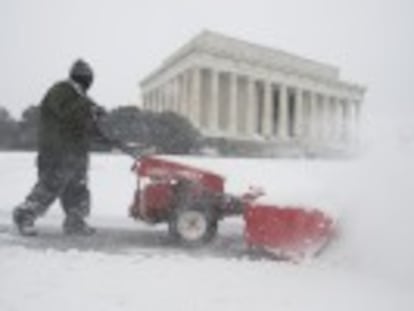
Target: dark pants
(66, 180)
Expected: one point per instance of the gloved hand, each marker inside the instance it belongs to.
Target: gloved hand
(148, 151)
(98, 112)
(137, 151)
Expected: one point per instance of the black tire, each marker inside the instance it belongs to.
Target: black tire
(192, 227)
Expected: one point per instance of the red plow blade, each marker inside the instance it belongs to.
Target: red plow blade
(287, 232)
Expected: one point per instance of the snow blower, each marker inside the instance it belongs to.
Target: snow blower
(192, 201)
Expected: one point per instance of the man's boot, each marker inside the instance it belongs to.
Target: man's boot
(75, 225)
(24, 221)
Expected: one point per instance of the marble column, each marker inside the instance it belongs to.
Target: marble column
(196, 96)
(166, 99)
(174, 94)
(233, 104)
(299, 118)
(338, 119)
(144, 100)
(161, 106)
(185, 98)
(148, 100)
(155, 101)
(180, 94)
(314, 116)
(168, 94)
(344, 119)
(283, 113)
(323, 131)
(357, 119)
(333, 124)
(353, 120)
(214, 111)
(161, 99)
(251, 107)
(330, 119)
(267, 122)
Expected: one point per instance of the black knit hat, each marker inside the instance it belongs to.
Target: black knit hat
(82, 73)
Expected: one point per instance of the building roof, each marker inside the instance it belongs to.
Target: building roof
(236, 49)
(223, 46)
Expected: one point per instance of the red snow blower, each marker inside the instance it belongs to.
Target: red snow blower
(193, 201)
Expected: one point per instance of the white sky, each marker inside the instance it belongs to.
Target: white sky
(371, 41)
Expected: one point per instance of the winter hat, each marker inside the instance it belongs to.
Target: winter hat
(81, 72)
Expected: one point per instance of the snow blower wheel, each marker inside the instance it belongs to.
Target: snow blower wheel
(192, 227)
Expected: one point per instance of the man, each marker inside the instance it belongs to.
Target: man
(67, 123)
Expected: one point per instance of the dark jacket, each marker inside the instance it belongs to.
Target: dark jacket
(66, 123)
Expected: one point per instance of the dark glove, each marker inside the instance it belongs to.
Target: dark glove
(148, 151)
(98, 112)
(134, 151)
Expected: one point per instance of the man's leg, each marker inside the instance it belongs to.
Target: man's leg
(75, 201)
(49, 185)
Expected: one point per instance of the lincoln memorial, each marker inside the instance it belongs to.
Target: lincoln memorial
(232, 89)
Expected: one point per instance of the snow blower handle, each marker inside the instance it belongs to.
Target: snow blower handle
(104, 133)
(136, 151)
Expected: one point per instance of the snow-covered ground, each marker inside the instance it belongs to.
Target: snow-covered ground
(131, 266)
